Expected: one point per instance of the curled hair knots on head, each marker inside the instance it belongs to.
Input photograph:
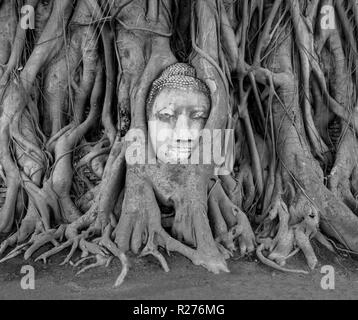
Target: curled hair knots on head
(180, 76)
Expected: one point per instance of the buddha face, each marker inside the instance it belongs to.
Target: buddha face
(175, 123)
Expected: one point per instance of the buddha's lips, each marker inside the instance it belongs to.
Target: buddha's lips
(184, 148)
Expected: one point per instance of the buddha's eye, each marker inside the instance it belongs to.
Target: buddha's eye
(165, 115)
(199, 116)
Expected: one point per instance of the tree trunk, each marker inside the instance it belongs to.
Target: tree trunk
(281, 74)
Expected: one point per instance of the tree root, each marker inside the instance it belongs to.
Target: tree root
(74, 242)
(142, 226)
(100, 261)
(228, 222)
(152, 249)
(281, 246)
(272, 264)
(278, 145)
(100, 248)
(112, 248)
(37, 240)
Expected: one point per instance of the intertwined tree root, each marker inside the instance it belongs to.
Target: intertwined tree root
(71, 90)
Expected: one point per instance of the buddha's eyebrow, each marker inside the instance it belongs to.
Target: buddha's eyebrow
(201, 108)
(195, 107)
(173, 106)
(170, 107)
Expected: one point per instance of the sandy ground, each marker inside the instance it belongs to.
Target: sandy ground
(248, 279)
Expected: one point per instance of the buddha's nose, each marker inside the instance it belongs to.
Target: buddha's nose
(182, 129)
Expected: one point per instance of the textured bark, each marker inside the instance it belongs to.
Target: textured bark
(71, 89)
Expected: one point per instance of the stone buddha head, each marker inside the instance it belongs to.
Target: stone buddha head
(178, 107)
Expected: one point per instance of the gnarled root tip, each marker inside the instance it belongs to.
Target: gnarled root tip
(273, 264)
(125, 267)
(113, 248)
(304, 244)
(100, 261)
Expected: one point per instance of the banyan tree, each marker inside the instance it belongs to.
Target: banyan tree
(88, 88)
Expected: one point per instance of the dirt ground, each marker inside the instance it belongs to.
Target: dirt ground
(248, 279)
